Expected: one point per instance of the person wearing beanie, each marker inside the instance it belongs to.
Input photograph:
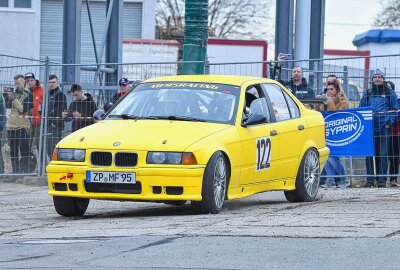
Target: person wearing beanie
(36, 90)
(383, 102)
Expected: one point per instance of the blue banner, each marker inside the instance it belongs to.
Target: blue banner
(350, 132)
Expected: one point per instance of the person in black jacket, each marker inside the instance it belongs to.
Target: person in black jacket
(57, 103)
(298, 84)
(81, 110)
(124, 88)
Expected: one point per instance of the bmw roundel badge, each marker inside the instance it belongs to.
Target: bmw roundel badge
(116, 144)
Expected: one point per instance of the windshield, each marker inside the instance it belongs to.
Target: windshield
(185, 101)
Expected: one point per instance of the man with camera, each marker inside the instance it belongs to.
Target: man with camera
(20, 103)
(298, 85)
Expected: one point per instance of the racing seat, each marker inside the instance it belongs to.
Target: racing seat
(260, 106)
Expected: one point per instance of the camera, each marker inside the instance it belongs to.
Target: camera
(7, 90)
(8, 94)
(286, 55)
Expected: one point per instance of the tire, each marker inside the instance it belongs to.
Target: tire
(70, 206)
(307, 180)
(214, 186)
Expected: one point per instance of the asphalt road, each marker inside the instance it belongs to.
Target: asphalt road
(343, 229)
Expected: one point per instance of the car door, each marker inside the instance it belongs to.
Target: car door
(290, 128)
(260, 145)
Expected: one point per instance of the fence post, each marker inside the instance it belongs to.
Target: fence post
(43, 124)
(346, 78)
(346, 88)
(206, 66)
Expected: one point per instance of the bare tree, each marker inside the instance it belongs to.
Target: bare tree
(389, 17)
(226, 18)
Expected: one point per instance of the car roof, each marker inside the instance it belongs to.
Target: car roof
(222, 79)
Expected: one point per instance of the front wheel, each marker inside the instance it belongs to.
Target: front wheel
(70, 206)
(214, 186)
(307, 180)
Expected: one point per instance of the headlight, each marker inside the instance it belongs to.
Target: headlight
(71, 155)
(164, 158)
(171, 158)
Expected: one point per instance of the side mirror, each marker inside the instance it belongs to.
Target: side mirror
(254, 119)
(97, 115)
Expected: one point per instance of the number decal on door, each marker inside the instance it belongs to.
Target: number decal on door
(263, 155)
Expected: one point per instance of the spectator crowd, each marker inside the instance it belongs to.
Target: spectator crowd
(24, 118)
(382, 99)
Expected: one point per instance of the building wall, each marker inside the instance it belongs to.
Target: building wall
(236, 51)
(20, 28)
(381, 48)
(149, 18)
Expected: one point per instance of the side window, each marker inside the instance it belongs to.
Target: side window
(294, 109)
(278, 101)
(255, 102)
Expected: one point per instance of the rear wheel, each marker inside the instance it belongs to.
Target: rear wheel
(307, 180)
(70, 206)
(214, 186)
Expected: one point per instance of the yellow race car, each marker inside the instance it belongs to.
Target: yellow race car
(197, 138)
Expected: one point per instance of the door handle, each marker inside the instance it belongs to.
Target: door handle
(300, 127)
(273, 133)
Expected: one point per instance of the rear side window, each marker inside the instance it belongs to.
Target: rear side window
(293, 108)
(284, 108)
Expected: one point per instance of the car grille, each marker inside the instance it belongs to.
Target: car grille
(101, 158)
(126, 159)
(114, 188)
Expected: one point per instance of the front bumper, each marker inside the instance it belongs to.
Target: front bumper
(152, 184)
(323, 156)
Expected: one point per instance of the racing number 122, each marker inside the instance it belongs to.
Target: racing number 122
(263, 153)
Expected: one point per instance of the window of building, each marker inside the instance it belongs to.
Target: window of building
(22, 3)
(3, 3)
(16, 3)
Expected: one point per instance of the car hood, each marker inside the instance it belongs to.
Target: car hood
(159, 135)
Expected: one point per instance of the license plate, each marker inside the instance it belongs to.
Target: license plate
(111, 177)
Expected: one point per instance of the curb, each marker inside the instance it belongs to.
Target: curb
(35, 181)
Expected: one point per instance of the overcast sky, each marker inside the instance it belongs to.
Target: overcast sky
(344, 19)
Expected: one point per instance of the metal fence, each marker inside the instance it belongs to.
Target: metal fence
(355, 73)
